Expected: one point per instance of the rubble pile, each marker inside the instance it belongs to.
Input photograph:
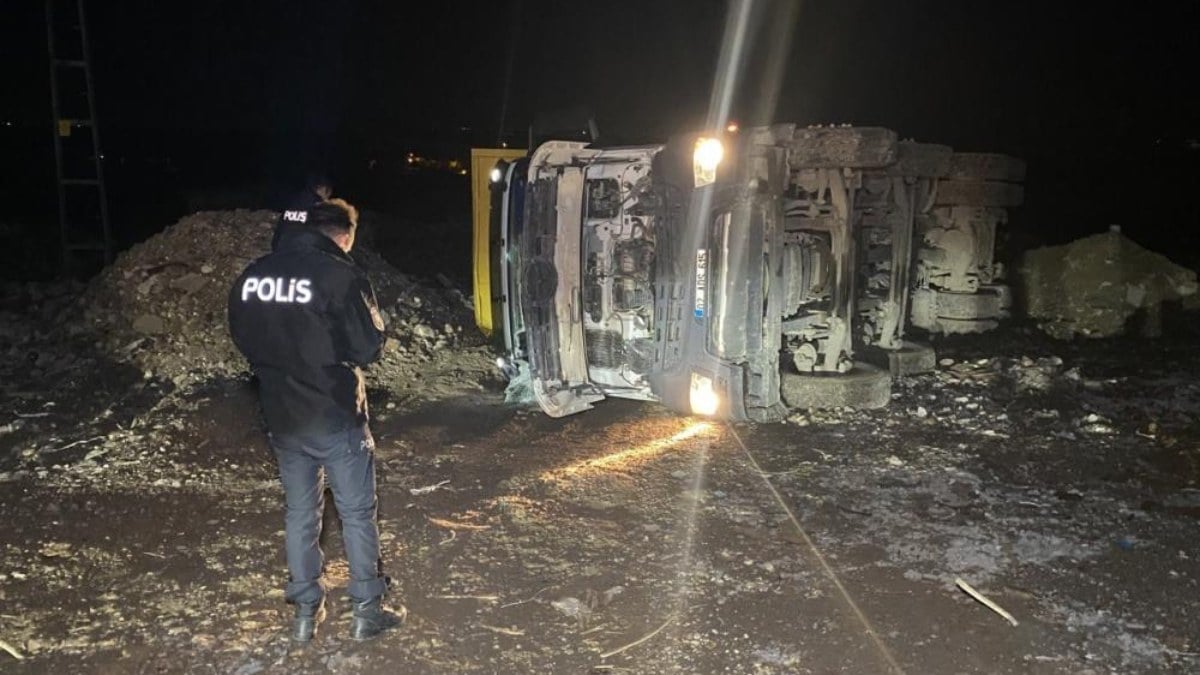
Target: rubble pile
(161, 307)
(161, 304)
(27, 311)
(1093, 286)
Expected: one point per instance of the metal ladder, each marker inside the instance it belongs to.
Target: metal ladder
(82, 200)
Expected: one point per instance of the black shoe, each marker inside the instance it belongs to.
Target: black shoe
(308, 616)
(371, 618)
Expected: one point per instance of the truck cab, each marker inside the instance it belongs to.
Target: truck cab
(647, 272)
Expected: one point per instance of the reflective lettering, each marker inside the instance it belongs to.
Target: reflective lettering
(296, 216)
(266, 290)
(303, 294)
(278, 290)
(248, 287)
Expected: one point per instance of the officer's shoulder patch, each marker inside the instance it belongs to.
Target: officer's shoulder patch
(376, 317)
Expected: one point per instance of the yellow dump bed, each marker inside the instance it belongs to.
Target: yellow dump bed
(484, 233)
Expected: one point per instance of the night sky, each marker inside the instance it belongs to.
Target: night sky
(1101, 101)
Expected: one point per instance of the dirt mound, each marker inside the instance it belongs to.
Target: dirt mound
(161, 306)
(1095, 285)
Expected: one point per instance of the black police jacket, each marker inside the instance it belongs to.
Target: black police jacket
(305, 318)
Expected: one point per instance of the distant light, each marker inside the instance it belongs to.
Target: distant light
(462, 172)
(732, 128)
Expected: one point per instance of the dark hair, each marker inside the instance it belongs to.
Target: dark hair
(333, 218)
(317, 180)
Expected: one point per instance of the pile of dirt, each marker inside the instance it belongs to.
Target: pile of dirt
(26, 312)
(161, 307)
(1095, 285)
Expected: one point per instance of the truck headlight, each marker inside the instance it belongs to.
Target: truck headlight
(705, 158)
(496, 174)
(704, 398)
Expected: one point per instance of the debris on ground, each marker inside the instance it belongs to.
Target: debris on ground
(1095, 285)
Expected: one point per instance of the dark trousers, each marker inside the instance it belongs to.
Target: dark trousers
(347, 459)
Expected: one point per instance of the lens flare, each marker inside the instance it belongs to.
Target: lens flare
(637, 454)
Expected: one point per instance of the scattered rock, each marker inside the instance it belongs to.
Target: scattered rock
(189, 283)
(149, 324)
(571, 607)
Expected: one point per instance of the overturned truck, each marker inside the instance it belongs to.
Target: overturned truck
(728, 275)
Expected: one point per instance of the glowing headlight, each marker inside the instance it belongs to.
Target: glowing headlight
(705, 159)
(496, 174)
(500, 362)
(704, 399)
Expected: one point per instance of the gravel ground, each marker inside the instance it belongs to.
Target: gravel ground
(1061, 480)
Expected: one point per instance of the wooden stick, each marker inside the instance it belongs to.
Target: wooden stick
(481, 598)
(986, 602)
(79, 442)
(529, 599)
(515, 632)
(639, 641)
(451, 525)
(428, 488)
(12, 650)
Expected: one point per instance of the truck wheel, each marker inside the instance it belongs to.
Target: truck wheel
(913, 358)
(842, 147)
(865, 387)
(921, 159)
(970, 306)
(986, 166)
(978, 193)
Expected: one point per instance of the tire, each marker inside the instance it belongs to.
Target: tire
(842, 147)
(864, 387)
(926, 160)
(978, 193)
(986, 166)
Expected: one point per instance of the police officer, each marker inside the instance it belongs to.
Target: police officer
(317, 190)
(306, 320)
